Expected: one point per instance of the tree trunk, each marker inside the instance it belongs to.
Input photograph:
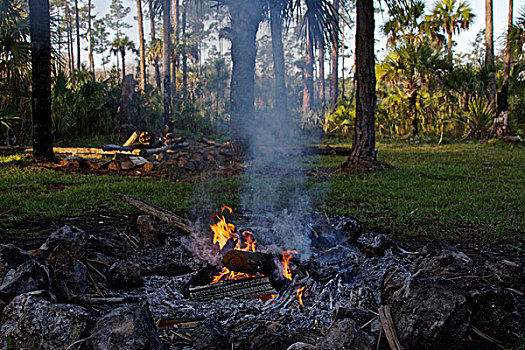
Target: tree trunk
(142, 48)
(154, 36)
(184, 53)
(175, 63)
(363, 148)
(245, 19)
(308, 92)
(334, 77)
(41, 79)
(166, 53)
(280, 93)
(90, 42)
(501, 122)
(70, 40)
(489, 52)
(449, 47)
(321, 75)
(77, 23)
(412, 113)
(123, 56)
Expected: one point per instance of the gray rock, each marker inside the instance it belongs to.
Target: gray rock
(129, 327)
(32, 321)
(27, 277)
(81, 244)
(491, 308)
(374, 244)
(506, 273)
(210, 335)
(124, 275)
(149, 231)
(10, 258)
(428, 312)
(346, 334)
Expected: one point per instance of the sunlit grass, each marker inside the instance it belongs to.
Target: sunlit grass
(462, 192)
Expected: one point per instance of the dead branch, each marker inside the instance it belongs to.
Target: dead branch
(387, 324)
(158, 212)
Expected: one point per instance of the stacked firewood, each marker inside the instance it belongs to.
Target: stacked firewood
(142, 153)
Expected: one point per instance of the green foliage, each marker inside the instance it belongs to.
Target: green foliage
(81, 105)
(341, 120)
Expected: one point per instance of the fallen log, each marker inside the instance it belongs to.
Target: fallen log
(250, 262)
(149, 152)
(158, 212)
(13, 148)
(311, 150)
(85, 151)
(209, 142)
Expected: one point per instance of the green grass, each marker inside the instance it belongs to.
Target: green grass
(460, 192)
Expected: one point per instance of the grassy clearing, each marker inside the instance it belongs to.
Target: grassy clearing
(461, 192)
(458, 192)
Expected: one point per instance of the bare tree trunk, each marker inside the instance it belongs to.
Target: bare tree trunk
(41, 79)
(142, 48)
(489, 52)
(184, 53)
(166, 53)
(280, 93)
(363, 148)
(412, 112)
(70, 40)
(501, 122)
(90, 42)
(175, 59)
(245, 19)
(321, 76)
(123, 56)
(154, 36)
(308, 92)
(334, 76)
(77, 23)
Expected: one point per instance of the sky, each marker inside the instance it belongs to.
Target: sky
(464, 39)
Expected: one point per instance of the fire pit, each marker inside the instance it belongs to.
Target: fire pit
(226, 288)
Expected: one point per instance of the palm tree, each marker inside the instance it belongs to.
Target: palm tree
(411, 66)
(121, 46)
(489, 52)
(405, 22)
(142, 47)
(451, 17)
(41, 75)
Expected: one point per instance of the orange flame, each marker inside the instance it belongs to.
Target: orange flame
(300, 294)
(287, 255)
(223, 231)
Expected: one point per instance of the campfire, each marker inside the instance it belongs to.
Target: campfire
(244, 262)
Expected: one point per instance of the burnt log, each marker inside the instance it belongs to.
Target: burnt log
(244, 288)
(250, 262)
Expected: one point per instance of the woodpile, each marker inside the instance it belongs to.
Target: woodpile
(141, 154)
